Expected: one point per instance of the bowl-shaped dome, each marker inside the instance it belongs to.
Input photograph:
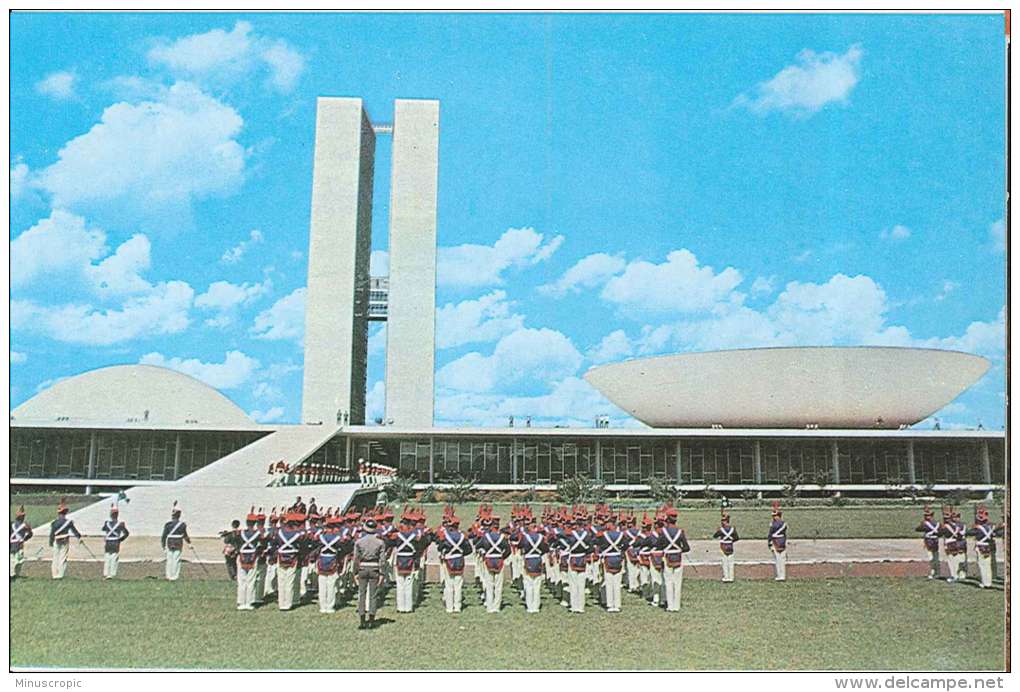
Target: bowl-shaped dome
(831, 387)
(136, 394)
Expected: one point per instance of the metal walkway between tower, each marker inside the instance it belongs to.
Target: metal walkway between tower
(225, 489)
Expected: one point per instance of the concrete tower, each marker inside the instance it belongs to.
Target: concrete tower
(411, 328)
(336, 304)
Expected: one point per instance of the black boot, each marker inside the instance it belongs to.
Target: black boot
(364, 624)
(371, 622)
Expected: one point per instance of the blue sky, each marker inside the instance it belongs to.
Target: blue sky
(611, 186)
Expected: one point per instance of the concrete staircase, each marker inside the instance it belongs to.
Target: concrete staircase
(226, 489)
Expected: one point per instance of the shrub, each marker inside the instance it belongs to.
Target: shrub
(429, 494)
(462, 490)
(580, 489)
(791, 490)
(400, 489)
(664, 492)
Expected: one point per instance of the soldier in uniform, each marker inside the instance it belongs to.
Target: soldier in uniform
(288, 557)
(453, 547)
(580, 544)
(404, 543)
(955, 534)
(21, 531)
(175, 535)
(727, 536)
(231, 543)
(656, 564)
(328, 566)
(61, 531)
(673, 542)
(115, 532)
(777, 541)
(644, 551)
(247, 562)
(494, 548)
(985, 534)
(369, 556)
(632, 566)
(612, 542)
(533, 547)
(262, 565)
(269, 554)
(930, 528)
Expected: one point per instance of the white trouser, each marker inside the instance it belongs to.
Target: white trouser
(260, 581)
(173, 564)
(957, 565)
(728, 563)
(58, 567)
(633, 576)
(327, 592)
(985, 569)
(270, 580)
(452, 592)
(673, 583)
(245, 588)
(576, 580)
(515, 566)
(485, 577)
(933, 562)
(303, 581)
(405, 593)
(655, 584)
(17, 558)
(613, 587)
(494, 591)
(780, 564)
(110, 563)
(286, 579)
(532, 591)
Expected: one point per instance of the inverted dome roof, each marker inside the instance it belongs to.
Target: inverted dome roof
(133, 394)
(831, 387)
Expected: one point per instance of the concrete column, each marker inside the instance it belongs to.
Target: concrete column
(986, 463)
(432, 460)
(340, 242)
(90, 472)
(911, 469)
(411, 316)
(347, 455)
(177, 457)
(835, 462)
(678, 467)
(758, 475)
(513, 462)
(598, 459)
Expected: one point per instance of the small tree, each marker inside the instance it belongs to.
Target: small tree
(823, 477)
(664, 492)
(791, 490)
(530, 495)
(400, 489)
(462, 490)
(580, 489)
(430, 494)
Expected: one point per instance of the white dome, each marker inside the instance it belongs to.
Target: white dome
(140, 394)
(831, 387)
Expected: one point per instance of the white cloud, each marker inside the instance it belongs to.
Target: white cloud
(614, 346)
(483, 265)
(57, 245)
(804, 88)
(270, 416)
(17, 358)
(233, 255)
(570, 401)
(379, 263)
(150, 159)
(19, 179)
(984, 338)
(948, 286)
(225, 298)
(57, 85)
(235, 370)
(221, 57)
(526, 355)
(764, 285)
(120, 273)
(284, 320)
(997, 234)
(842, 310)
(677, 285)
(897, 232)
(593, 270)
(164, 310)
(483, 319)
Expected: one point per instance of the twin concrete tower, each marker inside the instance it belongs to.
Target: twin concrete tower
(337, 299)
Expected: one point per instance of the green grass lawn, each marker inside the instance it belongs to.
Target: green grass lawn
(804, 522)
(834, 624)
(41, 508)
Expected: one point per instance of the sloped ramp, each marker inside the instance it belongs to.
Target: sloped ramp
(225, 489)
